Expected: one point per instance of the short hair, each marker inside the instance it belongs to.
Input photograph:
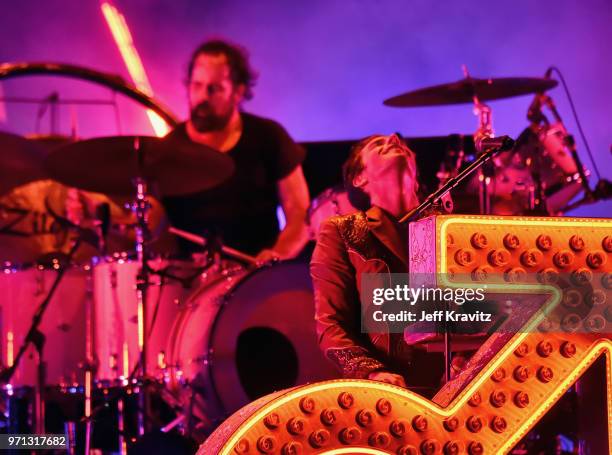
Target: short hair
(353, 166)
(237, 56)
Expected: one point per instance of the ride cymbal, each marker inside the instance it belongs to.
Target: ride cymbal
(464, 90)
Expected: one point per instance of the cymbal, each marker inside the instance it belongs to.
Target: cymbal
(20, 161)
(110, 164)
(464, 90)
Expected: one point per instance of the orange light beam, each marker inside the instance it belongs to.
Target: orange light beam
(123, 38)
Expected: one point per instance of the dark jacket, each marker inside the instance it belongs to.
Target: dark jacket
(362, 242)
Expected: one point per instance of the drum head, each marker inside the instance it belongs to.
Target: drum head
(264, 337)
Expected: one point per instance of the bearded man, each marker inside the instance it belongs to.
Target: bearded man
(242, 211)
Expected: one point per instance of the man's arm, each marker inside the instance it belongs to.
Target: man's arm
(337, 307)
(294, 199)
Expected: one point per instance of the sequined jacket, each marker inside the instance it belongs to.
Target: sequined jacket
(347, 246)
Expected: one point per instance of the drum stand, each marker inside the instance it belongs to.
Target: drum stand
(487, 171)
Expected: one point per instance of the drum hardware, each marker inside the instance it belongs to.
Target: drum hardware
(486, 172)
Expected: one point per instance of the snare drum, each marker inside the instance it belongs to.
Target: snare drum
(116, 311)
(63, 324)
(243, 335)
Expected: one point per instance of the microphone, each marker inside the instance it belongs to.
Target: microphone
(498, 144)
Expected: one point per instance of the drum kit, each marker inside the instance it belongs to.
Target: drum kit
(130, 330)
(176, 344)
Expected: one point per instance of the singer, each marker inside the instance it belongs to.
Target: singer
(380, 175)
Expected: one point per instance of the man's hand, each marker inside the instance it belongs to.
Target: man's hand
(384, 376)
(266, 256)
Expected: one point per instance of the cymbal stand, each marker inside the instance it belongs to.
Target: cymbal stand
(140, 208)
(485, 130)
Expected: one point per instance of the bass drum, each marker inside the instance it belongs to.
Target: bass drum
(244, 335)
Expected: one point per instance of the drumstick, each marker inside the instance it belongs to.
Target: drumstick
(199, 240)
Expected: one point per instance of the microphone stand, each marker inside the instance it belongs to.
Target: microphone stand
(434, 199)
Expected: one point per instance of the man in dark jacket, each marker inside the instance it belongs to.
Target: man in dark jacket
(380, 173)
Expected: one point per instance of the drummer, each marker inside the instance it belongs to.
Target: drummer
(242, 211)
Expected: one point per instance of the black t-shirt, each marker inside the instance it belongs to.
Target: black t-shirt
(242, 210)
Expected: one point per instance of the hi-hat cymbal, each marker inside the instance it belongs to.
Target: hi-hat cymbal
(110, 164)
(20, 161)
(463, 91)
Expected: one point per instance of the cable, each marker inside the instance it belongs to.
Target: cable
(571, 102)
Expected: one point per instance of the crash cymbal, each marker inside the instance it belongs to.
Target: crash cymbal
(110, 164)
(20, 161)
(464, 90)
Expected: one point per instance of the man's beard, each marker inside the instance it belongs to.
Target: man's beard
(204, 120)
